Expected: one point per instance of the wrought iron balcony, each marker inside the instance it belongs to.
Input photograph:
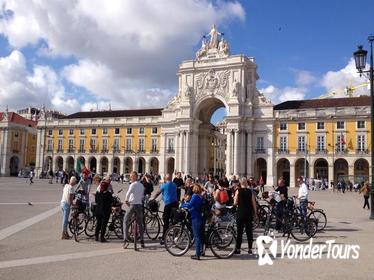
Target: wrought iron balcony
(81, 150)
(170, 150)
(116, 150)
(283, 151)
(301, 151)
(141, 151)
(59, 150)
(93, 150)
(321, 151)
(154, 151)
(260, 151)
(362, 151)
(104, 151)
(71, 150)
(341, 151)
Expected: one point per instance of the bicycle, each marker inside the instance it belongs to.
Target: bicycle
(77, 222)
(317, 215)
(178, 238)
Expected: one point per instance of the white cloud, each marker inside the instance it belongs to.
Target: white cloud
(338, 81)
(278, 95)
(304, 78)
(125, 49)
(20, 88)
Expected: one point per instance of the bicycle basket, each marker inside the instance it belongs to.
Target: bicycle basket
(153, 205)
(178, 216)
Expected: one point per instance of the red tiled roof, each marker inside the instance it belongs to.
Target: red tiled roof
(324, 103)
(116, 114)
(15, 118)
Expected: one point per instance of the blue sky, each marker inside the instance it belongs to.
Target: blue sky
(80, 54)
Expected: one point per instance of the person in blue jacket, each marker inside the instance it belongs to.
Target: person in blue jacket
(195, 208)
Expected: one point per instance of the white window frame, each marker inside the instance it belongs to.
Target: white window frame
(301, 143)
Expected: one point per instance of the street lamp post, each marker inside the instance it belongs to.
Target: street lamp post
(360, 59)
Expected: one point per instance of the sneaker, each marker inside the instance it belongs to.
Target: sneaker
(250, 252)
(125, 244)
(237, 252)
(103, 240)
(162, 242)
(194, 257)
(142, 244)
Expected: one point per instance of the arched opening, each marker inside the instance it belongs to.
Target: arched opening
(340, 170)
(104, 165)
(170, 165)
(361, 171)
(211, 141)
(116, 165)
(321, 169)
(47, 163)
(260, 169)
(93, 164)
(141, 165)
(69, 163)
(128, 165)
(154, 166)
(59, 163)
(301, 168)
(283, 170)
(14, 166)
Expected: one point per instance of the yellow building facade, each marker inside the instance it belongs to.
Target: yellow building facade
(323, 139)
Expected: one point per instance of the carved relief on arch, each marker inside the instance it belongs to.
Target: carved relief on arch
(212, 83)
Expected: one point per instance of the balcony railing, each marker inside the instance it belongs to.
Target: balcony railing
(141, 151)
(154, 151)
(59, 150)
(362, 151)
(104, 151)
(128, 151)
(71, 150)
(283, 151)
(321, 151)
(93, 150)
(301, 151)
(170, 150)
(116, 150)
(341, 151)
(81, 150)
(260, 151)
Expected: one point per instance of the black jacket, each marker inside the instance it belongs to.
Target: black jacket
(104, 202)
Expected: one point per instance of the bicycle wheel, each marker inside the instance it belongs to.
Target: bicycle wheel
(90, 226)
(303, 230)
(118, 226)
(152, 226)
(319, 217)
(130, 230)
(79, 225)
(177, 240)
(262, 213)
(222, 242)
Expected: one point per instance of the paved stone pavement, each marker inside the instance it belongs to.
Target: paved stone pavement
(30, 247)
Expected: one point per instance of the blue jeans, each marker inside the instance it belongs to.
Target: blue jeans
(65, 208)
(196, 229)
(303, 208)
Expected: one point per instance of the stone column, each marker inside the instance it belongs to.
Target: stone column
(194, 140)
(331, 174)
(122, 164)
(98, 165)
(236, 152)
(163, 147)
(311, 170)
(64, 163)
(4, 153)
(177, 153)
(229, 153)
(292, 176)
(38, 161)
(110, 164)
(148, 165)
(249, 154)
(351, 171)
(270, 181)
(188, 155)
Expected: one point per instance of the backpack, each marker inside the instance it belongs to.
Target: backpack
(223, 197)
(206, 209)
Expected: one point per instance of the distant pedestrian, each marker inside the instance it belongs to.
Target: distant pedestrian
(365, 190)
(32, 174)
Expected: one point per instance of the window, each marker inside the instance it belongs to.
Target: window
(50, 145)
(105, 144)
(320, 125)
(93, 145)
(81, 131)
(361, 143)
(71, 131)
(301, 143)
(283, 143)
(260, 144)
(116, 130)
(360, 124)
(154, 130)
(50, 132)
(301, 126)
(141, 130)
(116, 144)
(320, 143)
(71, 145)
(59, 145)
(283, 126)
(105, 131)
(340, 125)
(154, 144)
(340, 143)
(128, 144)
(171, 145)
(60, 131)
(93, 131)
(141, 145)
(81, 145)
